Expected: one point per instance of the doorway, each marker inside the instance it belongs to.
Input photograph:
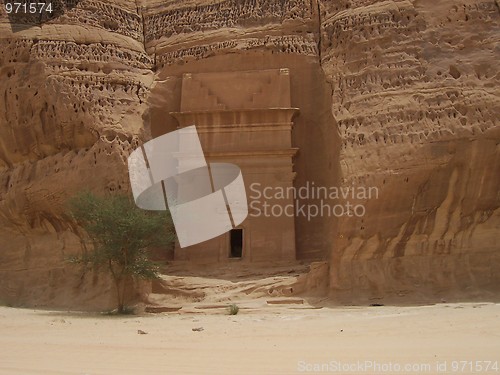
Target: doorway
(236, 243)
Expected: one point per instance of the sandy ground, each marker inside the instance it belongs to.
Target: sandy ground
(275, 340)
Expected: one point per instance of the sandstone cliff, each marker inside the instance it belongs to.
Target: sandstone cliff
(415, 96)
(73, 95)
(401, 95)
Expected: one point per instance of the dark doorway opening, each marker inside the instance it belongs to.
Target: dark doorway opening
(236, 243)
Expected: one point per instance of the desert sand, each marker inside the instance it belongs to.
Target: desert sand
(264, 339)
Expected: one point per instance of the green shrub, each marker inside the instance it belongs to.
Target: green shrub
(233, 309)
(118, 237)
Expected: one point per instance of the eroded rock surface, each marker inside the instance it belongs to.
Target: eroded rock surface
(416, 99)
(73, 95)
(399, 95)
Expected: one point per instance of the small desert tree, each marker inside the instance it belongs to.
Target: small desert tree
(120, 235)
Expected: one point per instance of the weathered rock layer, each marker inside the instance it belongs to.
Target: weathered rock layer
(73, 95)
(415, 96)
